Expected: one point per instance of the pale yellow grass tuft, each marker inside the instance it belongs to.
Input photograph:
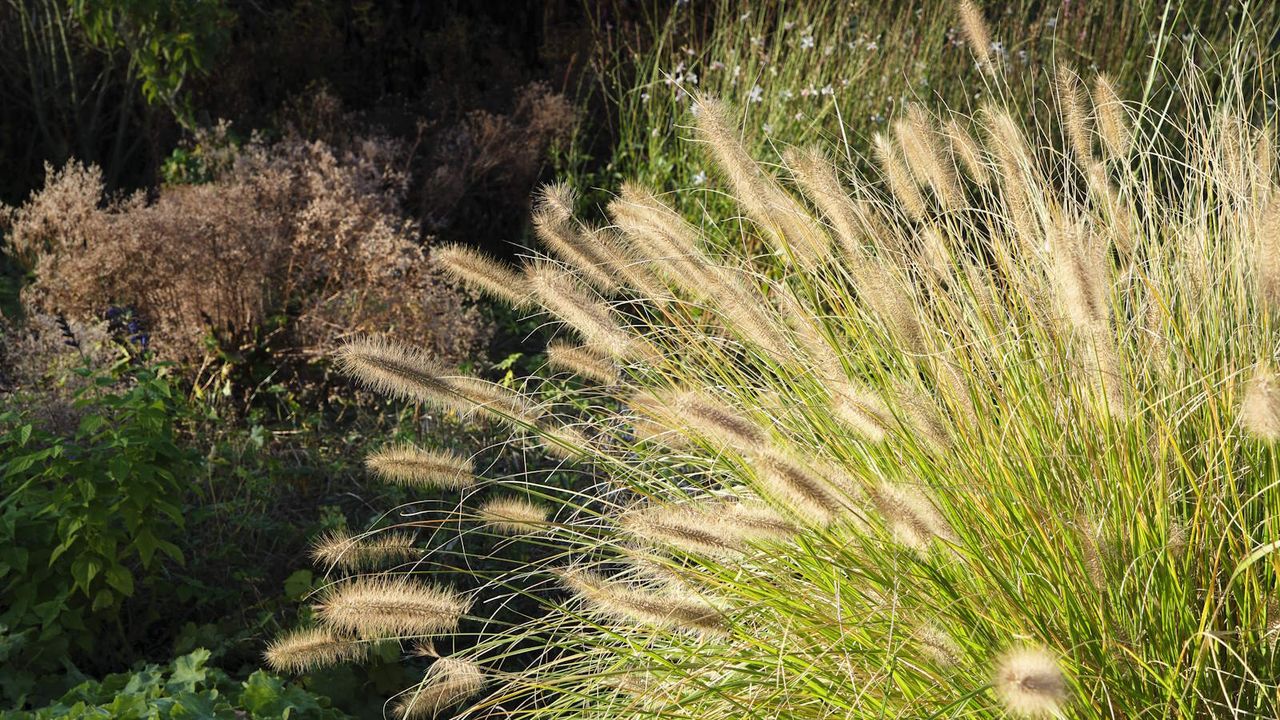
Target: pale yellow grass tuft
(382, 607)
(623, 601)
(582, 361)
(513, 516)
(475, 269)
(309, 649)
(448, 681)
(1030, 684)
(1260, 410)
(339, 549)
(412, 466)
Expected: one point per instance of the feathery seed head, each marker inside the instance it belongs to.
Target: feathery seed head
(861, 410)
(396, 370)
(1112, 117)
(476, 269)
(669, 609)
(513, 516)
(1267, 259)
(911, 516)
(309, 649)
(784, 221)
(381, 607)
(895, 172)
(1260, 411)
(409, 373)
(685, 528)
(1030, 684)
(795, 487)
(447, 682)
(969, 152)
(938, 645)
(582, 361)
(1075, 114)
(566, 298)
(976, 33)
(411, 466)
(338, 549)
(924, 158)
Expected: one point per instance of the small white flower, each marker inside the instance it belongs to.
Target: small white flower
(745, 16)
(1051, 23)
(768, 129)
(699, 178)
(997, 47)
(644, 96)
(788, 25)
(872, 45)
(799, 116)
(828, 90)
(716, 65)
(691, 77)
(756, 94)
(653, 132)
(786, 94)
(806, 42)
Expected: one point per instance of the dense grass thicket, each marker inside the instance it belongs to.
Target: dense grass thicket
(856, 359)
(989, 433)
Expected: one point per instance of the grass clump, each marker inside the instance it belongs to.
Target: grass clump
(978, 436)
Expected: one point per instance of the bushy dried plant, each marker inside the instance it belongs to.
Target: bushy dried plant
(292, 246)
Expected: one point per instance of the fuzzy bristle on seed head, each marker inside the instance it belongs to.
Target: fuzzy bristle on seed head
(309, 649)
(1267, 259)
(411, 466)
(685, 528)
(556, 227)
(338, 549)
(862, 410)
(448, 681)
(1030, 684)
(901, 183)
(396, 370)
(1075, 114)
(582, 361)
(475, 269)
(1112, 117)
(911, 516)
(381, 607)
(923, 154)
(513, 516)
(783, 220)
(968, 152)
(1260, 410)
(566, 298)
(798, 488)
(660, 609)
(976, 32)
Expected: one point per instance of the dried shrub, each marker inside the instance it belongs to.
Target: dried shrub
(498, 153)
(290, 246)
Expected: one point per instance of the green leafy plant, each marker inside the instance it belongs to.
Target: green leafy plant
(187, 688)
(83, 514)
(166, 41)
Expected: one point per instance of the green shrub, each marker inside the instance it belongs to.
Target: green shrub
(186, 688)
(82, 515)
